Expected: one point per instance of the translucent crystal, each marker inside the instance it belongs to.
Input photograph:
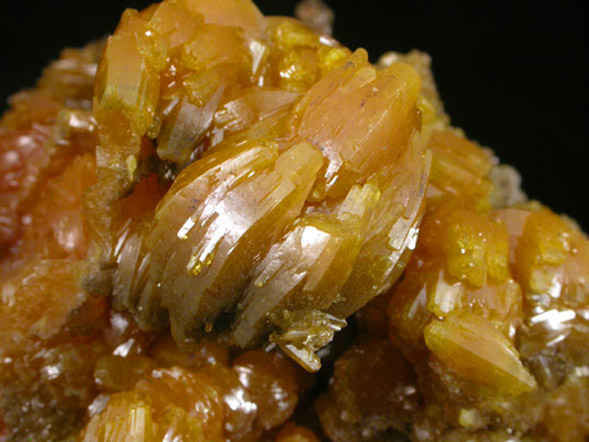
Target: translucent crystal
(478, 352)
(198, 206)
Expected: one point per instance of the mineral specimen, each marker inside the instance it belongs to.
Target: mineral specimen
(210, 194)
(263, 132)
(487, 328)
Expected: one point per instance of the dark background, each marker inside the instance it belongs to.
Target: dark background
(512, 74)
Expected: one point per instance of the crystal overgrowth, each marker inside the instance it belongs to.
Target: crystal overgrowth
(288, 157)
(209, 182)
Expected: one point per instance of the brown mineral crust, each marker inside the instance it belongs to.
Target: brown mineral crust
(372, 391)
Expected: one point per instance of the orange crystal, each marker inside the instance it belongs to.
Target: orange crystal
(490, 313)
(278, 142)
(217, 194)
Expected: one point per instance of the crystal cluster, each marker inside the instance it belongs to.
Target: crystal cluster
(202, 201)
(293, 171)
(485, 335)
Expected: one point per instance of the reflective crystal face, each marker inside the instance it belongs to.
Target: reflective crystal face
(297, 176)
(192, 210)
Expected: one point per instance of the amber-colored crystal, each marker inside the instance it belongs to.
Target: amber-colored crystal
(210, 194)
(489, 314)
(267, 130)
(257, 393)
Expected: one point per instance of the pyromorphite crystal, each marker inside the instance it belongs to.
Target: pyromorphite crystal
(178, 241)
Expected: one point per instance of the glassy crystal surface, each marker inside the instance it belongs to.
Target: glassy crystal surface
(193, 210)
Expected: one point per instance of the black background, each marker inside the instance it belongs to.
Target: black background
(512, 74)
